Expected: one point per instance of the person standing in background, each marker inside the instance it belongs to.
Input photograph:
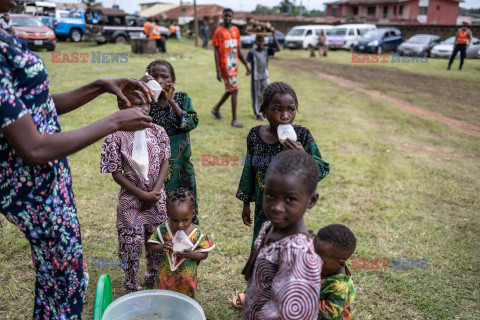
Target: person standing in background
(205, 33)
(463, 38)
(6, 23)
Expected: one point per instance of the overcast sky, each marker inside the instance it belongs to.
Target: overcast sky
(131, 6)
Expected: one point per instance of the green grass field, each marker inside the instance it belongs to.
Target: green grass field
(408, 187)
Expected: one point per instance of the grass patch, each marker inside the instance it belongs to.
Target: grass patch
(407, 187)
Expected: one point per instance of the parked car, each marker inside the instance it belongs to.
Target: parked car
(134, 20)
(110, 25)
(304, 36)
(33, 31)
(67, 24)
(344, 35)
(379, 40)
(280, 37)
(419, 45)
(445, 49)
(249, 40)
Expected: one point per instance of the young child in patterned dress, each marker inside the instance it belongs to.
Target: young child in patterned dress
(141, 203)
(178, 270)
(283, 273)
(335, 244)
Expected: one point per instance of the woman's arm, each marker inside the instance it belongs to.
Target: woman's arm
(73, 99)
(37, 149)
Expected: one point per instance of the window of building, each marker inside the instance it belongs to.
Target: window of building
(371, 11)
(385, 11)
(400, 11)
(395, 10)
(355, 11)
(422, 11)
(334, 11)
(438, 8)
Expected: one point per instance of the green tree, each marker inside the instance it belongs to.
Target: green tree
(91, 3)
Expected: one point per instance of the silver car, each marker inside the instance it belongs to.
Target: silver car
(419, 45)
(445, 49)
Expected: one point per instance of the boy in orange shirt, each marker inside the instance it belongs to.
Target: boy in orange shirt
(226, 42)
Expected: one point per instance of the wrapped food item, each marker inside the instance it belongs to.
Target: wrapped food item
(285, 131)
(155, 87)
(181, 242)
(140, 153)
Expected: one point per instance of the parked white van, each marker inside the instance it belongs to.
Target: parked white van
(304, 36)
(344, 35)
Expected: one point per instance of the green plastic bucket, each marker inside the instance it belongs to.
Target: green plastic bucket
(103, 296)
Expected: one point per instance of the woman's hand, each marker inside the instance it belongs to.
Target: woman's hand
(246, 214)
(146, 78)
(122, 86)
(131, 119)
(293, 145)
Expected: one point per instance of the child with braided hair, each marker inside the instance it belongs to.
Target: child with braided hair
(279, 105)
(174, 112)
(178, 269)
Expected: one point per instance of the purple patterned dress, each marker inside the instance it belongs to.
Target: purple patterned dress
(285, 283)
(39, 199)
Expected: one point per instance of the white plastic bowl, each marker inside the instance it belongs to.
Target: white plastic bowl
(154, 305)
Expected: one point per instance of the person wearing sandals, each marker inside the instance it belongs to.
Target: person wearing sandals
(226, 43)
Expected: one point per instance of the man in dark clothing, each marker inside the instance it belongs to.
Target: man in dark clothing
(462, 40)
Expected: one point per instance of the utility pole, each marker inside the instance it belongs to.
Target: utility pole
(301, 10)
(196, 21)
(180, 13)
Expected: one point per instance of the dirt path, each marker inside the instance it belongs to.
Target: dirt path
(416, 110)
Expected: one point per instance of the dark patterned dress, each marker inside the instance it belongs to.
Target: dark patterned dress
(258, 157)
(39, 199)
(181, 172)
(133, 225)
(176, 274)
(285, 282)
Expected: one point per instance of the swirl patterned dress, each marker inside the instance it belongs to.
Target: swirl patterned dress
(39, 199)
(258, 157)
(176, 274)
(285, 283)
(181, 172)
(133, 225)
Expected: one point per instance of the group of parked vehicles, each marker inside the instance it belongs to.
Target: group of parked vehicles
(369, 38)
(42, 23)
